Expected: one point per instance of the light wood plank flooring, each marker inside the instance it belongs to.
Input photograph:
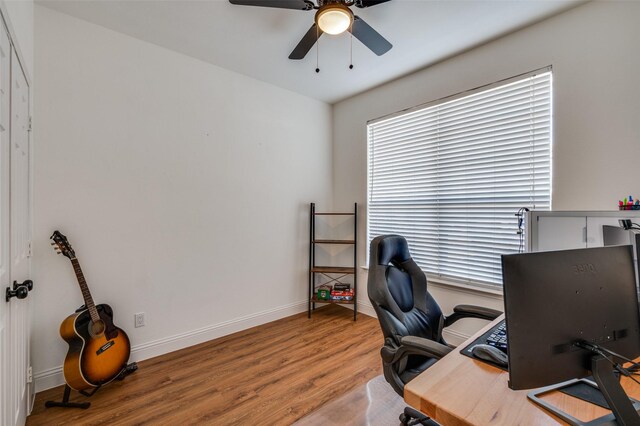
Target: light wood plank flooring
(273, 374)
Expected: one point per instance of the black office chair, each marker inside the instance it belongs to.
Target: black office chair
(411, 320)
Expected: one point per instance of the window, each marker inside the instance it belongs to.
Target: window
(450, 175)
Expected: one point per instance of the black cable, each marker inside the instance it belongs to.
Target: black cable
(317, 49)
(599, 350)
(351, 47)
(520, 243)
(627, 224)
(591, 347)
(634, 379)
(520, 216)
(635, 366)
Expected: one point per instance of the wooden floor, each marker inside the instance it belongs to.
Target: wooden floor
(372, 404)
(272, 374)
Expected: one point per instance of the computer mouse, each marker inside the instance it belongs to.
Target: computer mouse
(491, 354)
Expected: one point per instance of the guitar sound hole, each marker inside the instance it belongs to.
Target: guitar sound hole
(96, 328)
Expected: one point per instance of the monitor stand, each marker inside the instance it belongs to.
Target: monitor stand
(624, 410)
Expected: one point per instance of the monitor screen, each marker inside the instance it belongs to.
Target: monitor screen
(615, 236)
(554, 299)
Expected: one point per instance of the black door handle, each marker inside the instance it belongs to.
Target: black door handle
(20, 290)
(27, 283)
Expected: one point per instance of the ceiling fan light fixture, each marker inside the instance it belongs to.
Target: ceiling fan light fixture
(334, 18)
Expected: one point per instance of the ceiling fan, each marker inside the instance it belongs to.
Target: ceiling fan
(332, 17)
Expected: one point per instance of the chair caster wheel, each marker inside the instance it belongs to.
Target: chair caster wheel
(404, 419)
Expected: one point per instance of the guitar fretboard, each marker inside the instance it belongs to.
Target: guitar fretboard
(86, 294)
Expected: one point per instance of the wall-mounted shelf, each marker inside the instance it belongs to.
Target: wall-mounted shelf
(327, 274)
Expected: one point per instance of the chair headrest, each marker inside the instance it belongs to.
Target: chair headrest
(392, 249)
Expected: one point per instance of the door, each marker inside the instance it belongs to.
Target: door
(20, 219)
(15, 203)
(5, 255)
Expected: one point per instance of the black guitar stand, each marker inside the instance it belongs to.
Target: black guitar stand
(65, 400)
(130, 368)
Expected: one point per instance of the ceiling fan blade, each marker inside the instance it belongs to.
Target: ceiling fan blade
(369, 37)
(282, 4)
(368, 3)
(306, 43)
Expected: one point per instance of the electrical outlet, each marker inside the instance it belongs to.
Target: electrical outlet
(138, 319)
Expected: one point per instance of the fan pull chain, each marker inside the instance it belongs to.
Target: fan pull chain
(351, 47)
(317, 49)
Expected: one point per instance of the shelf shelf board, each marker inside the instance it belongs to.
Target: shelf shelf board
(314, 299)
(334, 242)
(334, 269)
(334, 214)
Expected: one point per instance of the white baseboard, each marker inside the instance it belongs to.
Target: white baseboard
(367, 309)
(52, 377)
(49, 378)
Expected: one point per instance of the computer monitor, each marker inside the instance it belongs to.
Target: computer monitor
(616, 235)
(556, 299)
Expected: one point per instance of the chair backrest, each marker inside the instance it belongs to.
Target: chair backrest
(397, 289)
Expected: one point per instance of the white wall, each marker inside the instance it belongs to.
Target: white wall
(596, 137)
(183, 188)
(19, 15)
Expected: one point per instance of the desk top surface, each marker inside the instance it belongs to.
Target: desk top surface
(458, 390)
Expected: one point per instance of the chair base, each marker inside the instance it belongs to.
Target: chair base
(414, 417)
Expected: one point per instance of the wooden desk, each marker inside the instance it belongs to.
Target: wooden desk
(459, 390)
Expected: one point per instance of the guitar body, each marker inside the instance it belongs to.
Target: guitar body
(98, 351)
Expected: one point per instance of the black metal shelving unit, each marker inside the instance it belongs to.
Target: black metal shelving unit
(331, 273)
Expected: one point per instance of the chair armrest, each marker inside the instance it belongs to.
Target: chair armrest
(425, 346)
(412, 345)
(471, 311)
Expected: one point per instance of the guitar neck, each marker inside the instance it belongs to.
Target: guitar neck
(84, 288)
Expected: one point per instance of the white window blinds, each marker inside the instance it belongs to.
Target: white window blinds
(451, 176)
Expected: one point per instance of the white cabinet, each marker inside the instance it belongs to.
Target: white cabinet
(561, 233)
(549, 230)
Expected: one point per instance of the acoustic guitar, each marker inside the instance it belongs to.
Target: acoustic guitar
(98, 350)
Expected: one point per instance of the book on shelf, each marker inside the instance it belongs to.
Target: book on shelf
(341, 287)
(342, 295)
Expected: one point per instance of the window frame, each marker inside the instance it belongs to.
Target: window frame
(466, 283)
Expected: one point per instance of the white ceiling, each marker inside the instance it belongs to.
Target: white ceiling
(256, 41)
